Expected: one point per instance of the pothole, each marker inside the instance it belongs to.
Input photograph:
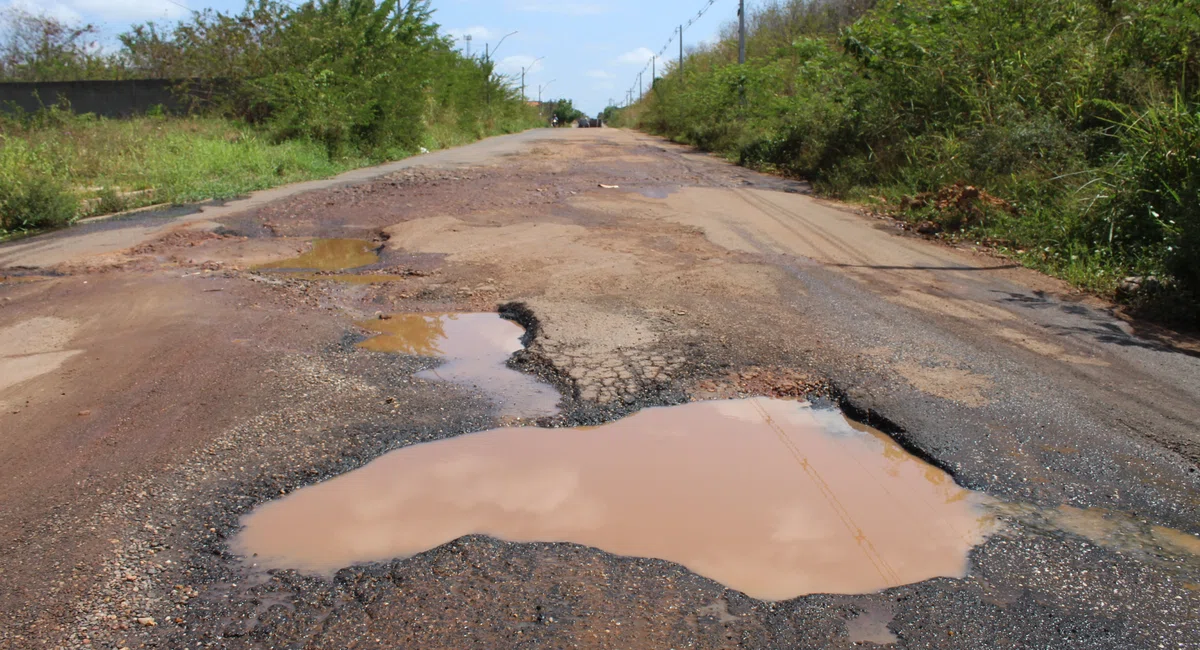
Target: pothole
(34, 347)
(769, 497)
(330, 255)
(476, 348)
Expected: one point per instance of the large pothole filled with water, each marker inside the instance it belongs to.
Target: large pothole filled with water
(773, 498)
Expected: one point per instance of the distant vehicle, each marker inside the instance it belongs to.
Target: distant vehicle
(590, 123)
(584, 122)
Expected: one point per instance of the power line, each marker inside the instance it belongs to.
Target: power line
(662, 53)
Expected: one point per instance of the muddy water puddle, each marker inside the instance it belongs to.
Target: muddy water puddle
(365, 278)
(331, 255)
(476, 348)
(769, 497)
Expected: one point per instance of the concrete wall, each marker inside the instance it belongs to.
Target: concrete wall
(106, 98)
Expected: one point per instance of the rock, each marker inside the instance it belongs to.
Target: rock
(928, 228)
(146, 621)
(1136, 284)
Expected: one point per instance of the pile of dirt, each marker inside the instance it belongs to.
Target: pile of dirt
(953, 207)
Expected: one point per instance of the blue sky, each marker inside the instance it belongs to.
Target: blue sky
(592, 50)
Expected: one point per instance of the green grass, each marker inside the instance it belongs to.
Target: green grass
(105, 164)
(59, 167)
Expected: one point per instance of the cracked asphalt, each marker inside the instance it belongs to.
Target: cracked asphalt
(157, 385)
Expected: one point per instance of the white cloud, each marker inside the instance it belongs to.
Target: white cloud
(513, 64)
(117, 11)
(600, 74)
(640, 56)
(571, 8)
(55, 10)
(132, 10)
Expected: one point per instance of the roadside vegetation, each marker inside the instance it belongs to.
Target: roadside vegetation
(276, 94)
(1064, 133)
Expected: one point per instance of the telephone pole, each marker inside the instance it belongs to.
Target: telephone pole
(523, 70)
(741, 32)
(681, 51)
(468, 38)
(639, 86)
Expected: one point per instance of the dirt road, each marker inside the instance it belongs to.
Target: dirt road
(165, 374)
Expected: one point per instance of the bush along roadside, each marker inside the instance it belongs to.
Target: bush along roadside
(290, 93)
(1065, 133)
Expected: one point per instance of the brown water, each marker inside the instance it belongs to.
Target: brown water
(871, 626)
(331, 255)
(769, 497)
(1111, 529)
(476, 348)
(346, 278)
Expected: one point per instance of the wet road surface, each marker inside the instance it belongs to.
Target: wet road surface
(170, 381)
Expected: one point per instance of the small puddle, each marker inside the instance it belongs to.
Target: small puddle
(476, 348)
(1118, 531)
(871, 626)
(331, 255)
(341, 278)
(769, 497)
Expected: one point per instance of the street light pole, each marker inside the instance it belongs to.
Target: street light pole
(741, 32)
(681, 51)
(488, 53)
(523, 70)
(493, 52)
(543, 87)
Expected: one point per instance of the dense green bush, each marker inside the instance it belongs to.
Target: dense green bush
(279, 93)
(36, 202)
(1080, 115)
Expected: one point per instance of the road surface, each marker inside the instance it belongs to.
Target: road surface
(156, 384)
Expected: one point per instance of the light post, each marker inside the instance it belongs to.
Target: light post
(524, 69)
(543, 87)
(488, 54)
(487, 60)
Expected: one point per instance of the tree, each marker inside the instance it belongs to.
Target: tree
(37, 47)
(566, 112)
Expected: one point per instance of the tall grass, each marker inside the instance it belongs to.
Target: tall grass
(1082, 116)
(292, 92)
(75, 166)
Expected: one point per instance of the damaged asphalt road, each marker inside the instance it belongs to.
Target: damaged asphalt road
(157, 385)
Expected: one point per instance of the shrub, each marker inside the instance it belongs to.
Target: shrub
(36, 202)
(1080, 115)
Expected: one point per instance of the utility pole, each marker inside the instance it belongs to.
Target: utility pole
(523, 70)
(741, 32)
(681, 51)
(468, 38)
(487, 59)
(639, 86)
(542, 87)
(653, 70)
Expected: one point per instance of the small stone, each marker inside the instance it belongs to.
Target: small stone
(85, 413)
(928, 228)
(146, 621)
